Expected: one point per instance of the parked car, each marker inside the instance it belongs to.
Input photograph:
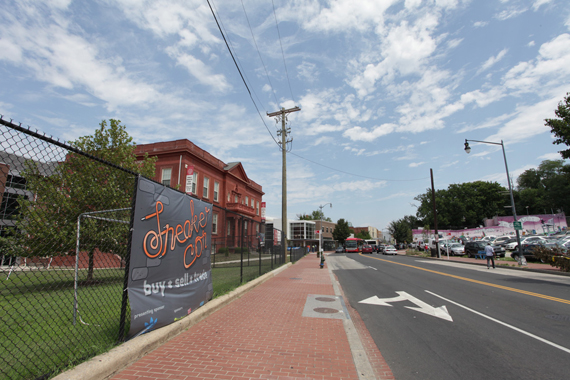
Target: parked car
(367, 248)
(501, 240)
(472, 248)
(339, 249)
(381, 248)
(455, 249)
(524, 240)
(390, 250)
(527, 251)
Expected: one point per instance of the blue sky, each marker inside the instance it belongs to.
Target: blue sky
(387, 89)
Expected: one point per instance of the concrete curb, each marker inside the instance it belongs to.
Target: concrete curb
(109, 363)
(500, 265)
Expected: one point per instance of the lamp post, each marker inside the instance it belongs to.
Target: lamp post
(321, 250)
(522, 260)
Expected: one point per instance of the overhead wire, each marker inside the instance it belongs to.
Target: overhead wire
(254, 103)
(259, 53)
(282, 52)
(240, 73)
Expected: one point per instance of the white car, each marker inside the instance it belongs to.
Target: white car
(390, 250)
(456, 249)
(524, 240)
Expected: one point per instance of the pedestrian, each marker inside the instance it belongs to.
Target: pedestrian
(490, 254)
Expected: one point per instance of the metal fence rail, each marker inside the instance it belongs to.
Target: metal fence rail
(64, 235)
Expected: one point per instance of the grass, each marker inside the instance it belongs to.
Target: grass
(37, 334)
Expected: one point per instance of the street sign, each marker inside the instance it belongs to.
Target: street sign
(517, 226)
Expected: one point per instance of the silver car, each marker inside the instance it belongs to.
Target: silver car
(390, 250)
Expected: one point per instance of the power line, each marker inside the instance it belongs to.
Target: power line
(241, 75)
(282, 53)
(358, 175)
(259, 53)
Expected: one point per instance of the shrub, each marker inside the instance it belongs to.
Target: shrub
(554, 256)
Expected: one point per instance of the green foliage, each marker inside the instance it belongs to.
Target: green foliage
(561, 127)
(463, 205)
(556, 257)
(401, 229)
(545, 188)
(341, 231)
(315, 215)
(76, 186)
(363, 235)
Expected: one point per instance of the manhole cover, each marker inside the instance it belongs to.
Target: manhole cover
(325, 299)
(559, 317)
(325, 310)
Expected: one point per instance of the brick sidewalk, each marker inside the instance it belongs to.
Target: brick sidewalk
(263, 335)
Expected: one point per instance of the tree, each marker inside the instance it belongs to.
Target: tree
(315, 215)
(545, 188)
(79, 185)
(463, 205)
(401, 229)
(363, 235)
(561, 127)
(341, 231)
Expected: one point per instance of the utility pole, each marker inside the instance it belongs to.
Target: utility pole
(283, 132)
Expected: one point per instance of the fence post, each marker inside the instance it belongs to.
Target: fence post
(127, 265)
(241, 251)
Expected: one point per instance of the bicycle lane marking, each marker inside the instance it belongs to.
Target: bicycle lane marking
(538, 295)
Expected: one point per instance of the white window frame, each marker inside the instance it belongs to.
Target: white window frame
(206, 188)
(194, 183)
(215, 224)
(216, 190)
(257, 211)
(163, 176)
(246, 200)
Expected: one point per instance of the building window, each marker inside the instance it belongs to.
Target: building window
(206, 187)
(235, 199)
(247, 201)
(194, 182)
(216, 190)
(228, 197)
(166, 174)
(215, 224)
(229, 228)
(257, 211)
(245, 226)
(252, 203)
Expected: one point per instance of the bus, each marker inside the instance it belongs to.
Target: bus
(353, 245)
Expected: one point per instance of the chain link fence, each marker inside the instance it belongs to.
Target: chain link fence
(65, 219)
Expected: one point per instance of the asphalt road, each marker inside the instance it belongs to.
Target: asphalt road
(468, 322)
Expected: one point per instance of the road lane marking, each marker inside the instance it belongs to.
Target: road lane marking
(561, 300)
(422, 307)
(504, 324)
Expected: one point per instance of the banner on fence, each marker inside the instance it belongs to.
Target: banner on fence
(170, 267)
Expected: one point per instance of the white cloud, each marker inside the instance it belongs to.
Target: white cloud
(510, 13)
(538, 3)
(415, 164)
(492, 60)
(480, 24)
(550, 156)
(362, 134)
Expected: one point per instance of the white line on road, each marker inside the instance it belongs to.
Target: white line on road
(504, 324)
(372, 268)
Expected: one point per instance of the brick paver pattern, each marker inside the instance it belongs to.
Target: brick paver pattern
(263, 335)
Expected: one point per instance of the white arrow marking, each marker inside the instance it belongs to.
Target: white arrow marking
(422, 307)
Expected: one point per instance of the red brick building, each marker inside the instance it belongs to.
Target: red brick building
(213, 181)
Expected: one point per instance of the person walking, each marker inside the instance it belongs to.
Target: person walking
(490, 254)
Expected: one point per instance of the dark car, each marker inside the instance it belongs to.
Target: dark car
(472, 248)
(367, 248)
(527, 251)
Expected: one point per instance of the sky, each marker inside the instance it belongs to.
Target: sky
(387, 89)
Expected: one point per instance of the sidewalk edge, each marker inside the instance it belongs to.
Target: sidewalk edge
(106, 365)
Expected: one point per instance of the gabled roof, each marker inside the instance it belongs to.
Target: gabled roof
(236, 168)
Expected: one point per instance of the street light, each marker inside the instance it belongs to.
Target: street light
(321, 251)
(522, 259)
